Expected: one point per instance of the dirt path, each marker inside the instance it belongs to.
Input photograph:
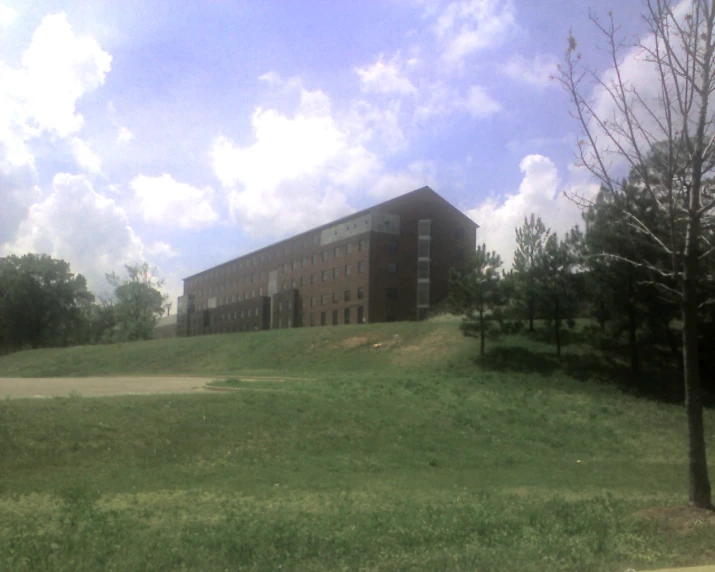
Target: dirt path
(17, 387)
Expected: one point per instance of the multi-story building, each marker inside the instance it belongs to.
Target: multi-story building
(389, 262)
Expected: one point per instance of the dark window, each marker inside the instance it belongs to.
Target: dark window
(392, 246)
(296, 264)
(460, 254)
(292, 283)
(423, 248)
(312, 278)
(335, 317)
(346, 317)
(336, 252)
(347, 270)
(423, 269)
(323, 299)
(325, 255)
(423, 293)
(392, 294)
(325, 276)
(336, 273)
(336, 298)
(347, 295)
(322, 318)
(316, 239)
(348, 248)
(361, 244)
(424, 228)
(361, 315)
(312, 319)
(302, 280)
(313, 302)
(392, 267)
(280, 306)
(361, 266)
(315, 259)
(360, 293)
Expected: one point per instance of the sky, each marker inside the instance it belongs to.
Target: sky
(188, 133)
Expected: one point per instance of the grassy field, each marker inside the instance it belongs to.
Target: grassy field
(412, 455)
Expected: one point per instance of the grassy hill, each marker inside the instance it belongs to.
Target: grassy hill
(413, 455)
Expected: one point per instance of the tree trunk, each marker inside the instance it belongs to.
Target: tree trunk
(700, 494)
(481, 330)
(633, 335)
(531, 315)
(557, 328)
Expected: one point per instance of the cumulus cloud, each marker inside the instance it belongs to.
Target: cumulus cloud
(385, 77)
(166, 201)
(465, 27)
(444, 99)
(85, 157)
(7, 16)
(162, 250)
(536, 71)
(478, 103)
(540, 192)
(76, 223)
(124, 135)
(417, 174)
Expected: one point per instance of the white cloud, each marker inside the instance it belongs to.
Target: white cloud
(270, 77)
(85, 157)
(79, 225)
(536, 71)
(58, 69)
(7, 16)
(162, 250)
(418, 174)
(385, 77)
(479, 104)
(540, 192)
(163, 200)
(465, 27)
(124, 135)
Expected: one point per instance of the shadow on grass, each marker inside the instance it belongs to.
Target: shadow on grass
(660, 381)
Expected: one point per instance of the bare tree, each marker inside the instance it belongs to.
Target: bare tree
(627, 128)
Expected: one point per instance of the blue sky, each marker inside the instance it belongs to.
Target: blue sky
(187, 133)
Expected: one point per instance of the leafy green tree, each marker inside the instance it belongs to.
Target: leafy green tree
(676, 127)
(138, 303)
(531, 238)
(556, 283)
(40, 301)
(474, 292)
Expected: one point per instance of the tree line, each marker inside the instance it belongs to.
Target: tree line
(44, 304)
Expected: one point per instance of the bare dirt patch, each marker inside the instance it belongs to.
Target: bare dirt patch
(23, 387)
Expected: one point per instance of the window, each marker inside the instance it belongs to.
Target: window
(347, 295)
(302, 304)
(423, 248)
(336, 273)
(292, 283)
(335, 317)
(302, 280)
(280, 306)
(325, 255)
(360, 293)
(322, 318)
(392, 246)
(253, 293)
(315, 259)
(336, 298)
(316, 239)
(361, 315)
(296, 264)
(243, 313)
(323, 299)
(347, 270)
(313, 302)
(306, 262)
(290, 305)
(423, 293)
(423, 269)
(312, 278)
(325, 276)
(361, 244)
(280, 322)
(392, 267)
(459, 233)
(336, 252)
(348, 248)
(361, 266)
(460, 254)
(424, 228)
(346, 316)
(392, 294)
(290, 322)
(312, 319)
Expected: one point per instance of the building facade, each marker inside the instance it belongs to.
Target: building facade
(387, 263)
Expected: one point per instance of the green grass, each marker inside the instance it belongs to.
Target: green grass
(408, 456)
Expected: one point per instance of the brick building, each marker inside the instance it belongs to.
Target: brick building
(385, 263)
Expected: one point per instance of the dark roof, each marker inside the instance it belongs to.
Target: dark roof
(379, 206)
